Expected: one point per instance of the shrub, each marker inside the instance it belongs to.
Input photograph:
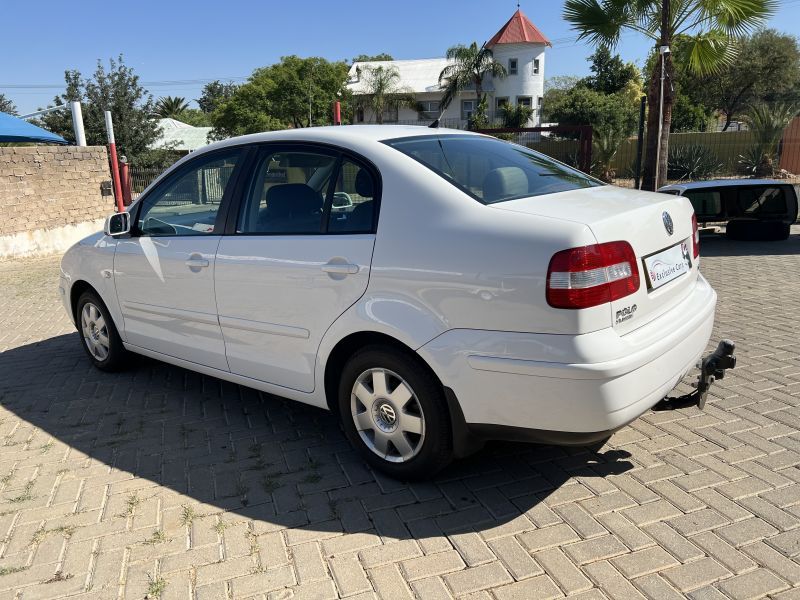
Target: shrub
(691, 162)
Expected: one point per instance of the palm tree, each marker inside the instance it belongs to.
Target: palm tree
(170, 107)
(768, 122)
(383, 92)
(710, 26)
(470, 65)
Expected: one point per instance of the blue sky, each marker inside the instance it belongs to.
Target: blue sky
(181, 42)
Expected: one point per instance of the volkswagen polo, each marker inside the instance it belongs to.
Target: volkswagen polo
(433, 288)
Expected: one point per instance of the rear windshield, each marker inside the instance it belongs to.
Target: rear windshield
(491, 170)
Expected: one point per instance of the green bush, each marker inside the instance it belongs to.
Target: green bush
(692, 162)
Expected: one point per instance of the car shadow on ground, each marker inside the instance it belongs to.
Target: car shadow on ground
(265, 458)
(717, 244)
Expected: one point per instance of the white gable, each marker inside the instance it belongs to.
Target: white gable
(418, 75)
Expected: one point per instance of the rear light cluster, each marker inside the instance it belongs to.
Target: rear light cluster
(695, 237)
(592, 275)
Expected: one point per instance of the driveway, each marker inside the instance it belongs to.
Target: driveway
(158, 482)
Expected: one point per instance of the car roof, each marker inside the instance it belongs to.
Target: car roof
(717, 183)
(345, 134)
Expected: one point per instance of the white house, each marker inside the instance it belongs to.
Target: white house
(519, 46)
(180, 136)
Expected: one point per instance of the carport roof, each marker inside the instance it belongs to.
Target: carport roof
(13, 129)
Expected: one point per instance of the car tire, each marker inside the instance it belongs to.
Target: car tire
(394, 412)
(99, 336)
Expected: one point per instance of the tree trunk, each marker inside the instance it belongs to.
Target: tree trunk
(728, 119)
(652, 144)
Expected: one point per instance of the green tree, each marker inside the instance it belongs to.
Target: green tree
(710, 25)
(306, 88)
(295, 92)
(383, 92)
(584, 106)
(688, 116)
(515, 116)
(171, 107)
(470, 65)
(116, 89)
(373, 58)
(214, 94)
(767, 67)
(609, 73)
(7, 106)
(768, 122)
(195, 117)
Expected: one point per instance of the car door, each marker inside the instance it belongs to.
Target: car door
(294, 260)
(164, 272)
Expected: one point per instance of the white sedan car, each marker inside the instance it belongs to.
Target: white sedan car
(433, 288)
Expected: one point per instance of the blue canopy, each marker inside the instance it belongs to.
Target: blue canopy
(13, 129)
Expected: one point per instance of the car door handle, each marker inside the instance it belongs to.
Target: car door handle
(340, 268)
(196, 263)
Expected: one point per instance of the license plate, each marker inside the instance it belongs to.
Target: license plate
(667, 265)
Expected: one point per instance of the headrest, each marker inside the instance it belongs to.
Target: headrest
(505, 182)
(365, 186)
(292, 199)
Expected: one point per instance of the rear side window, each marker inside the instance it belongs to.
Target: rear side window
(353, 205)
(491, 170)
(287, 193)
(762, 201)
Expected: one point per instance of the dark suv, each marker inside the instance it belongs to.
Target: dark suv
(753, 209)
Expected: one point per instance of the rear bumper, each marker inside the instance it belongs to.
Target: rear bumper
(565, 388)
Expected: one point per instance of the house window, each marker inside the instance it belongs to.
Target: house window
(524, 101)
(467, 109)
(500, 103)
(535, 66)
(429, 110)
(390, 115)
(512, 66)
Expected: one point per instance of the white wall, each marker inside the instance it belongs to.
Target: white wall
(525, 83)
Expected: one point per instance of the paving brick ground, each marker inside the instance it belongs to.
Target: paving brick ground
(165, 483)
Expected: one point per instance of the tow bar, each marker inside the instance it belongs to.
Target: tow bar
(712, 367)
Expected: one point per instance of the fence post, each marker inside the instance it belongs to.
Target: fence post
(586, 149)
(125, 176)
(639, 143)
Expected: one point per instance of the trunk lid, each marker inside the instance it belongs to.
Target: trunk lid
(614, 213)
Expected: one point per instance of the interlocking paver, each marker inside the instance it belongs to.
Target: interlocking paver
(157, 472)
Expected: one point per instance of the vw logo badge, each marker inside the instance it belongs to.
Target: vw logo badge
(667, 222)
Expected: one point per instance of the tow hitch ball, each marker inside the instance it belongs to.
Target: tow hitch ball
(712, 367)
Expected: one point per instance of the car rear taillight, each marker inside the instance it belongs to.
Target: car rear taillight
(592, 275)
(695, 237)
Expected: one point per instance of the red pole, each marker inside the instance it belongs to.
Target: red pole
(112, 151)
(126, 184)
(337, 113)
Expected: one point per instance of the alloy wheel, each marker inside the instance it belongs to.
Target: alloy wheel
(387, 415)
(95, 331)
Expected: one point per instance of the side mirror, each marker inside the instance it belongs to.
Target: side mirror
(117, 224)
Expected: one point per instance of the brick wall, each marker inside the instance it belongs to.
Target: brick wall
(46, 187)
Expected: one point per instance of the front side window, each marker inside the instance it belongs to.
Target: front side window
(287, 193)
(501, 102)
(512, 66)
(524, 101)
(390, 115)
(535, 66)
(706, 203)
(491, 170)
(188, 204)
